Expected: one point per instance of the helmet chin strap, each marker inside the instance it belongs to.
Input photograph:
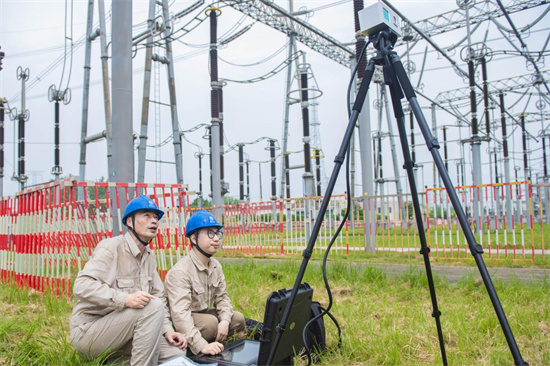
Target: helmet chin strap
(136, 234)
(196, 244)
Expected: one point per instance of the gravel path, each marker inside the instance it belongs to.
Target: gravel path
(452, 273)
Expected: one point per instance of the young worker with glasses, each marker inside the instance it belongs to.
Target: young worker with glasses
(195, 288)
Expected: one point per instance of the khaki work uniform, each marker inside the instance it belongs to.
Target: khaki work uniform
(100, 321)
(198, 301)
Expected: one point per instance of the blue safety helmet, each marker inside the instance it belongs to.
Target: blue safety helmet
(199, 220)
(141, 203)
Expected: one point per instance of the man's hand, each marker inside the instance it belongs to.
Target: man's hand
(176, 339)
(223, 329)
(138, 300)
(212, 348)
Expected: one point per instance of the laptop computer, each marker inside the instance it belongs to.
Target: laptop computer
(246, 352)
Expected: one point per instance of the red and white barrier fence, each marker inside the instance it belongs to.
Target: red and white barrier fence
(48, 232)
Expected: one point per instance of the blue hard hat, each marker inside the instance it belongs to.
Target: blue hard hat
(141, 203)
(199, 220)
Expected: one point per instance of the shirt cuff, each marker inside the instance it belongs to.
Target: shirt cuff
(120, 300)
(225, 316)
(167, 328)
(198, 346)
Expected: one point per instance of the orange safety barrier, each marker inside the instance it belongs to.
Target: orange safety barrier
(48, 232)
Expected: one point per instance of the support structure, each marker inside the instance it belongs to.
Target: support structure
(22, 117)
(317, 148)
(176, 137)
(365, 144)
(241, 172)
(122, 167)
(157, 28)
(216, 132)
(199, 156)
(86, 92)
(285, 172)
(2, 117)
(477, 174)
(302, 74)
(273, 170)
(57, 96)
(506, 163)
(393, 148)
(92, 35)
(146, 94)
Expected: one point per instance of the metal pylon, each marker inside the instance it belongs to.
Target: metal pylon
(159, 27)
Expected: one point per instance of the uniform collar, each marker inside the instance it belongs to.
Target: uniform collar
(133, 246)
(198, 263)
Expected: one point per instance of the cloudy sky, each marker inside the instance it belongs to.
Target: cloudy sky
(37, 34)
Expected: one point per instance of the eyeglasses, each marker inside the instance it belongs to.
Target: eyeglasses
(211, 233)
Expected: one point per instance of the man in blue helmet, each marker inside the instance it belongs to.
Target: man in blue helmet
(121, 305)
(195, 287)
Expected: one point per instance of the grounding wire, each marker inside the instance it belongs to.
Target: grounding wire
(523, 44)
(192, 143)
(526, 104)
(161, 144)
(37, 52)
(323, 7)
(423, 67)
(271, 73)
(519, 99)
(342, 223)
(452, 47)
(284, 47)
(80, 42)
(488, 41)
(227, 34)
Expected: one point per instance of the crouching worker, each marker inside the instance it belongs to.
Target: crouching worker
(121, 305)
(196, 292)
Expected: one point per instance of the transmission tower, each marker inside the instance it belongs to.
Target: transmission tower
(159, 32)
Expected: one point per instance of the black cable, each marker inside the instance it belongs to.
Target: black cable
(353, 77)
(335, 236)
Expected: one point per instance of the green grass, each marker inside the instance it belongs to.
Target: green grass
(34, 330)
(385, 320)
(388, 321)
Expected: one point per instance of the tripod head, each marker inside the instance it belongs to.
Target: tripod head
(384, 40)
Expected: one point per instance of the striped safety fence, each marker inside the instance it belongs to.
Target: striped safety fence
(48, 232)
(501, 218)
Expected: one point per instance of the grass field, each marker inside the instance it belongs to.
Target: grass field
(385, 321)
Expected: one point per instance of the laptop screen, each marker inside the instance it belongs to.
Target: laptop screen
(241, 352)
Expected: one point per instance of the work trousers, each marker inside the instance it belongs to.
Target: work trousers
(207, 323)
(133, 334)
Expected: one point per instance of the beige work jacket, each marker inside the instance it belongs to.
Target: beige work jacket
(192, 287)
(115, 270)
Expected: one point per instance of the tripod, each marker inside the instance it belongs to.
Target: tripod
(396, 77)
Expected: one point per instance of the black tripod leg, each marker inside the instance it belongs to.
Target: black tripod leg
(338, 161)
(475, 248)
(409, 165)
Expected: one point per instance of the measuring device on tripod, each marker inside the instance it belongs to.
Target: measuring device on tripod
(378, 17)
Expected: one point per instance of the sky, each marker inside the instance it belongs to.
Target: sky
(35, 34)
